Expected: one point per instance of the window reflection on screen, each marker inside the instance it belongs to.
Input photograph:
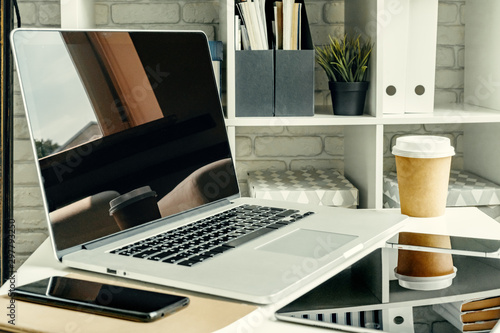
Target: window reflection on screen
(56, 92)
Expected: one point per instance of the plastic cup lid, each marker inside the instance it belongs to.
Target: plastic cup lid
(425, 283)
(130, 197)
(423, 146)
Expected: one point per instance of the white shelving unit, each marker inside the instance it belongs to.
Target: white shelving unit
(363, 135)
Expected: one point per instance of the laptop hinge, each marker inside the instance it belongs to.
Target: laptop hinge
(163, 221)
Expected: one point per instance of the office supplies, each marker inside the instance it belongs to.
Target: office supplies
(93, 145)
(254, 88)
(405, 53)
(421, 53)
(395, 59)
(101, 298)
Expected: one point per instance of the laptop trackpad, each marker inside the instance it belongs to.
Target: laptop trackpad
(308, 243)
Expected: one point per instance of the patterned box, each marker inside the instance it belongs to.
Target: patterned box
(322, 187)
(465, 189)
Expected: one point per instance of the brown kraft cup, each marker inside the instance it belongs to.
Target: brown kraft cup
(423, 169)
(134, 208)
(423, 185)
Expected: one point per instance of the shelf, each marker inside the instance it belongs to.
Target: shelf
(447, 114)
(323, 117)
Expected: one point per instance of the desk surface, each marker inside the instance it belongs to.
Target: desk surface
(468, 222)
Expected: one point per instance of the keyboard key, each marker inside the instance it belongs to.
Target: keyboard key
(162, 255)
(146, 253)
(188, 263)
(220, 249)
(199, 258)
(211, 254)
(176, 258)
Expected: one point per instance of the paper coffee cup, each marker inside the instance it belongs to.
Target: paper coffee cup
(423, 166)
(419, 263)
(424, 270)
(134, 208)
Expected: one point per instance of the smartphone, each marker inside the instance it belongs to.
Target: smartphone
(466, 246)
(99, 298)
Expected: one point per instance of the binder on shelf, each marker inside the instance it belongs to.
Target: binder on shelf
(421, 67)
(405, 54)
(254, 88)
(294, 83)
(395, 60)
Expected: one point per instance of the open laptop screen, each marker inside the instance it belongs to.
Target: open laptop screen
(127, 121)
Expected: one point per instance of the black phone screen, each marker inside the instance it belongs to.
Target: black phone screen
(127, 303)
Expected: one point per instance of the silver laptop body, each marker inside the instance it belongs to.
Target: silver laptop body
(129, 134)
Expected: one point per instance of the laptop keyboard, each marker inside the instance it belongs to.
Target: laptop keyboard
(206, 238)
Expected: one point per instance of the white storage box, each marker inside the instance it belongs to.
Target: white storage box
(322, 187)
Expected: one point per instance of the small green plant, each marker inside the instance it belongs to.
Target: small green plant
(346, 59)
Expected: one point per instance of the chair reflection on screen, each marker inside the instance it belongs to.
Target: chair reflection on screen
(89, 218)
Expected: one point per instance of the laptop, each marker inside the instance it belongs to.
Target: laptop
(137, 176)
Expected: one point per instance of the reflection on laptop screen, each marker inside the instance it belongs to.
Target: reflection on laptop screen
(123, 123)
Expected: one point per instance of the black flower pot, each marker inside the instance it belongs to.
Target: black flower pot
(348, 98)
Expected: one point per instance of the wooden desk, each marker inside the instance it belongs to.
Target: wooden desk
(245, 317)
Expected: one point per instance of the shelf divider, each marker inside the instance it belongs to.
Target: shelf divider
(363, 162)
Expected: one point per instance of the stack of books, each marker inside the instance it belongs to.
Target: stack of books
(287, 25)
(260, 28)
(252, 24)
(478, 315)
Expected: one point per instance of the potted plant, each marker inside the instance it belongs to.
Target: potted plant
(346, 62)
